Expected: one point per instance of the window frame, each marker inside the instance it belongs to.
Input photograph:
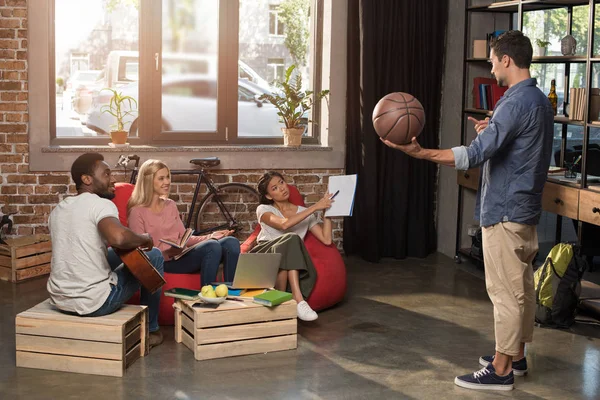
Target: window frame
(150, 45)
(274, 10)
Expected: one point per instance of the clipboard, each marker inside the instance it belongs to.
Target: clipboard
(343, 204)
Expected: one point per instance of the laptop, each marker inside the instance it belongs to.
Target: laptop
(255, 271)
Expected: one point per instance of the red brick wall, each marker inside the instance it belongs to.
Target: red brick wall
(31, 196)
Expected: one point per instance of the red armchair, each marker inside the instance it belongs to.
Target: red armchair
(330, 286)
(166, 315)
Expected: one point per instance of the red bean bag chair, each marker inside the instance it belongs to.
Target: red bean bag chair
(166, 315)
(330, 286)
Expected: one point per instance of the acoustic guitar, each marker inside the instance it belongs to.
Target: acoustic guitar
(138, 263)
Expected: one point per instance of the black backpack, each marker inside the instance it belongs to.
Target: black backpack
(557, 288)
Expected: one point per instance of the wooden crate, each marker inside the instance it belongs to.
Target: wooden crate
(25, 257)
(49, 339)
(235, 328)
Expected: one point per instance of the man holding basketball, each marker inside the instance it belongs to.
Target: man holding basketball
(514, 149)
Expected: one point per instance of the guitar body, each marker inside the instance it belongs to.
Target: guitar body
(138, 263)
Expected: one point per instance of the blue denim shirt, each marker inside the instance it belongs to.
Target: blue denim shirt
(515, 150)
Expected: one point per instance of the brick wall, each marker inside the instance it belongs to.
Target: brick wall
(32, 196)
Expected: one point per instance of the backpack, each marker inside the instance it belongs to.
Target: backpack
(558, 286)
(477, 244)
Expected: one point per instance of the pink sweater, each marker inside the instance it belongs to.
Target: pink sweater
(163, 225)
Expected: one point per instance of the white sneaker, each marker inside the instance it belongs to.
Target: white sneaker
(305, 313)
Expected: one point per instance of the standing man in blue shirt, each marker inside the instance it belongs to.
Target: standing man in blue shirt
(513, 148)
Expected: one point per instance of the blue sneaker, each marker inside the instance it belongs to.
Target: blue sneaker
(486, 379)
(519, 367)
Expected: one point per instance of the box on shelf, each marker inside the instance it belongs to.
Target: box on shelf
(25, 257)
(480, 48)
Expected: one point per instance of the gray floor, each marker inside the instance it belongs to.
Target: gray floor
(406, 329)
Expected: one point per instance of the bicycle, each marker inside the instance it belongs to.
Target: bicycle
(230, 199)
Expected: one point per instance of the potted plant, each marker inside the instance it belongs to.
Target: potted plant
(542, 46)
(292, 103)
(119, 107)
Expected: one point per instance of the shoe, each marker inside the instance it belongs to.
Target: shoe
(486, 379)
(305, 313)
(155, 338)
(519, 367)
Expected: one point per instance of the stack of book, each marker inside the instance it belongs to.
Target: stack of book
(577, 101)
(486, 93)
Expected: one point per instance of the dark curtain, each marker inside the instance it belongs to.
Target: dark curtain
(393, 46)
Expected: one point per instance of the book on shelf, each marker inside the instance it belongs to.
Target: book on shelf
(486, 93)
(179, 244)
(577, 104)
(272, 298)
(555, 170)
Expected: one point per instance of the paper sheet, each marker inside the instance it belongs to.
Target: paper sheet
(344, 201)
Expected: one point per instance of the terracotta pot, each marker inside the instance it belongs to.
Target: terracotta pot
(292, 137)
(118, 137)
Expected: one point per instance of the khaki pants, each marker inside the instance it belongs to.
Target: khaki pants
(508, 251)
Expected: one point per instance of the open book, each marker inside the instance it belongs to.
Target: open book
(182, 241)
(187, 250)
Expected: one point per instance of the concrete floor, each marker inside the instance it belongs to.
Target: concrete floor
(406, 329)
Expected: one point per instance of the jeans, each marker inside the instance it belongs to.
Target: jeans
(127, 285)
(206, 258)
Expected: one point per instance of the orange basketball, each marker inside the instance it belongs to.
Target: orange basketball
(398, 117)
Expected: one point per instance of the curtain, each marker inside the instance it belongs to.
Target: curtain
(393, 46)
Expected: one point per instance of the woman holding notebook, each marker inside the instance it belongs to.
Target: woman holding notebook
(151, 211)
(283, 228)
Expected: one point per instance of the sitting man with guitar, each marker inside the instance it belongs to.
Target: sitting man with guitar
(87, 279)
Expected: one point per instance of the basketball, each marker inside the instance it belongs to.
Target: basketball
(398, 117)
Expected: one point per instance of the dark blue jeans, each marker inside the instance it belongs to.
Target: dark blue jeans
(206, 258)
(127, 285)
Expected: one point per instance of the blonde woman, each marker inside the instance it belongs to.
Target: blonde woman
(151, 211)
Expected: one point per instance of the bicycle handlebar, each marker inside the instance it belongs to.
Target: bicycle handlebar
(124, 161)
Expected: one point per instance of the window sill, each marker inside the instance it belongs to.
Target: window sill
(61, 157)
(180, 149)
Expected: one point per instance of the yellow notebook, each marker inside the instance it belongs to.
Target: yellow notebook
(252, 292)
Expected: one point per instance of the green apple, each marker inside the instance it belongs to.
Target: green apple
(222, 291)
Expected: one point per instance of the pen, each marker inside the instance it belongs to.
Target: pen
(578, 158)
(234, 299)
(335, 194)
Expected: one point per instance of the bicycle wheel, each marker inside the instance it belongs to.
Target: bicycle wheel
(239, 200)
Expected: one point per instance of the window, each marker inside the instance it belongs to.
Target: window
(276, 68)
(276, 27)
(263, 60)
(174, 57)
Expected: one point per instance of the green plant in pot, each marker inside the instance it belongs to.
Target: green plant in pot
(119, 107)
(542, 47)
(292, 103)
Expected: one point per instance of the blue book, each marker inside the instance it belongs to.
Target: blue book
(230, 292)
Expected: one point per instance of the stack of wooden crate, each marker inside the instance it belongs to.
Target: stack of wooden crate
(25, 257)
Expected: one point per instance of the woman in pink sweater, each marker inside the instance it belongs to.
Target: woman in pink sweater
(151, 211)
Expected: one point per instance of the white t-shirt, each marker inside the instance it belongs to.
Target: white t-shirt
(80, 276)
(269, 233)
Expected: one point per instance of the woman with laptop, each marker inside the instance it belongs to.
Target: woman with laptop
(151, 211)
(283, 228)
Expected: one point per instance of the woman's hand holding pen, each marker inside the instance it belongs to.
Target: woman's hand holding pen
(326, 201)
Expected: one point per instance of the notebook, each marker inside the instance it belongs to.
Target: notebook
(345, 187)
(272, 298)
(181, 293)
